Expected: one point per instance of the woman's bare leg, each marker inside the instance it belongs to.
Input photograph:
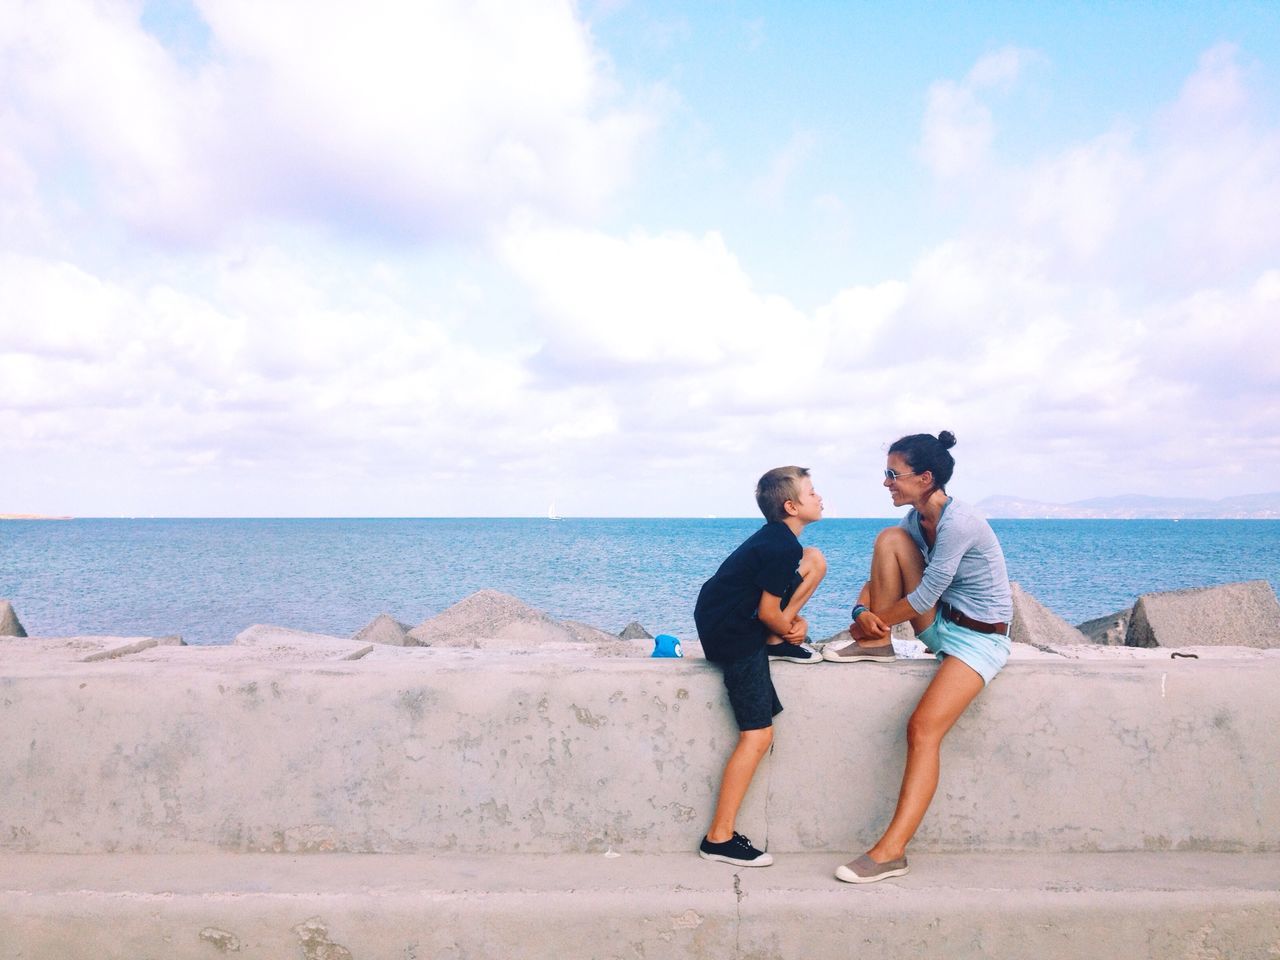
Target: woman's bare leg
(948, 695)
(897, 567)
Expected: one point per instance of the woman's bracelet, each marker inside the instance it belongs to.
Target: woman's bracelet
(858, 610)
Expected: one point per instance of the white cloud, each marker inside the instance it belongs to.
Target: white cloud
(1000, 68)
(1084, 193)
(957, 129)
(1106, 312)
(263, 369)
(1190, 199)
(1217, 87)
(1118, 376)
(1215, 174)
(609, 304)
(860, 320)
(21, 214)
(421, 120)
(1266, 292)
(96, 103)
(958, 126)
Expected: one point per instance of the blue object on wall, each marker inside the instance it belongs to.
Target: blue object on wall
(665, 645)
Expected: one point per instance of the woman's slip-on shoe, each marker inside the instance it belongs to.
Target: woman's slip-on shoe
(866, 870)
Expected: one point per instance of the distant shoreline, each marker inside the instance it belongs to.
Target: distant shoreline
(1257, 506)
(30, 516)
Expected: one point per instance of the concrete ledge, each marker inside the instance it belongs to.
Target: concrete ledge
(345, 907)
(472, 752)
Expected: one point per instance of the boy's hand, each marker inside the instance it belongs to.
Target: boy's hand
(799, 630)
(869, 627)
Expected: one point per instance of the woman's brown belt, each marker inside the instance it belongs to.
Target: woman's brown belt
(964, 620)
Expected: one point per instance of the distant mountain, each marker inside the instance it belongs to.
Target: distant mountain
(1256, 506)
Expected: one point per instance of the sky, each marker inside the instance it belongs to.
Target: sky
(473, 258)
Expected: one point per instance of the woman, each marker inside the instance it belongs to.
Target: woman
(942, 570)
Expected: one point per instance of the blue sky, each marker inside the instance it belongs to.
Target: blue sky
(468, 258)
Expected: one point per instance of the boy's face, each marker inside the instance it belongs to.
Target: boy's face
(809, 506)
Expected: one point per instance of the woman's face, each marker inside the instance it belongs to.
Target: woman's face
(906, 486)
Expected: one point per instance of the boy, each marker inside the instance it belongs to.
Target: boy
(747, 614)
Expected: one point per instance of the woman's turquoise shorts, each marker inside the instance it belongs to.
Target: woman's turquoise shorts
(986, 653)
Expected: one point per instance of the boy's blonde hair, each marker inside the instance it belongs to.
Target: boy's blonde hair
(777, 487)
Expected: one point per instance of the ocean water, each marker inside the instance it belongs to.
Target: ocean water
(209, 579)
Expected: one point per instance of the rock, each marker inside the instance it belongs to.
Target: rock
(838, 637)
(270, 643)
(1109, 631)
(1233, 614)
(634, 631)
(90, 649)
(1039, 626)
(386, 630)
(486, 614)
(10, 625)
(585, 633)
(496, 620)
(137, 646)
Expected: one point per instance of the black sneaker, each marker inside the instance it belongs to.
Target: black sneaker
(793, 652)
(737, 851)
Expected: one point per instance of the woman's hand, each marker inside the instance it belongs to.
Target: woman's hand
(869, 627)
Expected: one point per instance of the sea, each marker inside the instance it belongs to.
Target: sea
(208, 579)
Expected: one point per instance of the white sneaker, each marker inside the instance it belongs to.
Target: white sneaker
(793, 652)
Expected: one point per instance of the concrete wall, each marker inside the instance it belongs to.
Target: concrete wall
(522, 754)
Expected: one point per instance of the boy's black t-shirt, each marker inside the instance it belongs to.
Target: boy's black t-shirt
(727, 603)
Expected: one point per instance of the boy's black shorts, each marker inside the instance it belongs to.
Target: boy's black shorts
(751, 694)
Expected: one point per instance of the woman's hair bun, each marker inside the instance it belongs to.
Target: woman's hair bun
(947, 439)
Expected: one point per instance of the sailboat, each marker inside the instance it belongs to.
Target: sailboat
(551, 512)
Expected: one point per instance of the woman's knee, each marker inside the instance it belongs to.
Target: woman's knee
(895, 547)
(894, 539)
(924, 730)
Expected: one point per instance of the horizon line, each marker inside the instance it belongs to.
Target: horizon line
(536, 517)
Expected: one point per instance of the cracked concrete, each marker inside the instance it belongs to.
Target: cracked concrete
(313, 937)
(547, 757)
(526, 802)
(221, 939)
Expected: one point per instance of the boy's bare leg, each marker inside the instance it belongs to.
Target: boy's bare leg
(813, 567)
(948, 695)
(738, 771)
